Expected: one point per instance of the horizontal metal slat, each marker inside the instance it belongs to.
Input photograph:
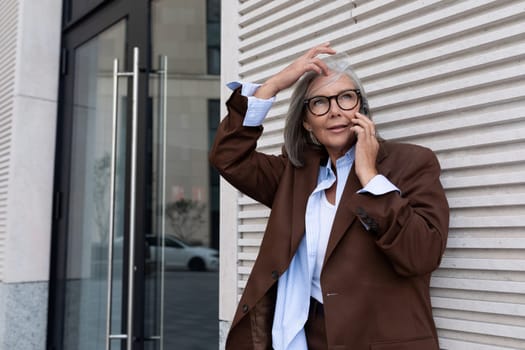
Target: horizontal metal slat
(484, 264)
(247, 6)
(251, 242)
(271, 149)
(245, 200)
(452, 344)
(246, 256)
(251, 228)
(508, 178)
(457, 221)
(486, 243)
(495, 329)
(490, 307)
(244, 270)
(478, 160)
(273, 125)
(478, 285)
(246, 214)
(481, 137)
(271, 141)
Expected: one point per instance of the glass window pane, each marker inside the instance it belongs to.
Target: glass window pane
(184, 298)
(89, 196)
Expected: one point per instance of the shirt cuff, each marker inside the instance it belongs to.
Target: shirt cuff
(257, 107)
(379, 185)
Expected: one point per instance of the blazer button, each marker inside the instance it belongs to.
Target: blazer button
(245, 308)
(275, 275)
(372, 225)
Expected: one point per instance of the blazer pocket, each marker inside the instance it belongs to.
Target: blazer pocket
(428, 343)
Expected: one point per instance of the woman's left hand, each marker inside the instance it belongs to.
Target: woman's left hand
(367, 148)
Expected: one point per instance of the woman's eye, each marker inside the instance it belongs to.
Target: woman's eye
(318, 102)
(346, 96)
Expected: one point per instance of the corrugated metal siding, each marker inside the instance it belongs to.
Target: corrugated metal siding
(8, 37)
(445, 74)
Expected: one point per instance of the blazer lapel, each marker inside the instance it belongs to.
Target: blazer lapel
(343, 219)
(305, 181)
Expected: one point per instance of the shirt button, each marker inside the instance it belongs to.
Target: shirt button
(245, 308)
(275, 275)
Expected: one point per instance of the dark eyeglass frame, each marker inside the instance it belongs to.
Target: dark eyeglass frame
(306, 102)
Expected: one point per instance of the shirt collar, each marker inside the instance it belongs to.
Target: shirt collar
(345, 160)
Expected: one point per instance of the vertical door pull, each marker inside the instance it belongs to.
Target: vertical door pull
(112, 183)
(131, 252)
(162, 74)
(163, 102)
(133, 200)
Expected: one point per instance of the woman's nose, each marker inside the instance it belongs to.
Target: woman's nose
(335, 110)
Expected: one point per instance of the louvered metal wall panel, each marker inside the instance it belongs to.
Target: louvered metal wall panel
(449, 75)
(8, 42)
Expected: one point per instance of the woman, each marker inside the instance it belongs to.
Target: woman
(356, 227)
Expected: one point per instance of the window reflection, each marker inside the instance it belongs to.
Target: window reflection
(182, 299)
(213, 39)
(87, 260)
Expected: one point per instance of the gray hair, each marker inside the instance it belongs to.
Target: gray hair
(296, 138)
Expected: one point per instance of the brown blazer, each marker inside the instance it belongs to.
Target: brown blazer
(375, 283)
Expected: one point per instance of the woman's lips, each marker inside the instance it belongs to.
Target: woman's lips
(337, 128)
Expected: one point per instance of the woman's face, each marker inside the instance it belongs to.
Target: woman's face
(332, 129)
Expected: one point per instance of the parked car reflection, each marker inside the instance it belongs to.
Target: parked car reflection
(181, 255)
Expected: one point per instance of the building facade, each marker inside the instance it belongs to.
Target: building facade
(107, 110)
(98, 155)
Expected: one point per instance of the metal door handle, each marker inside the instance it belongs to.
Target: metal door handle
(131, 255)
(163, 115)
(133, 196)
(162, 74)
(111, 232)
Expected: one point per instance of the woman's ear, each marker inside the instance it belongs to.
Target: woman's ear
(307, 125)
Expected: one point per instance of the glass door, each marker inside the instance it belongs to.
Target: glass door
(136, 234)
(182, 278)
(96, 195)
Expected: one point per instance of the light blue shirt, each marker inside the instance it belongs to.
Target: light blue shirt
(302, 278)
(317, 215)
(257, 108)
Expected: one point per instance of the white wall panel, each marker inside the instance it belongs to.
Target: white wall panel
(8, 42)
(446, 74)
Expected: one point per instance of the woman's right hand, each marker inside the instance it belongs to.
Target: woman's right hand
(308, 62)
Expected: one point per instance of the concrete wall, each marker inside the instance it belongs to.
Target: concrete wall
(28, 146)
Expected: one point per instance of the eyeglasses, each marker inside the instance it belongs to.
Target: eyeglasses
(346, 100)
